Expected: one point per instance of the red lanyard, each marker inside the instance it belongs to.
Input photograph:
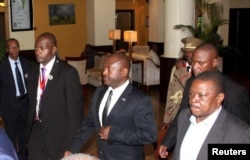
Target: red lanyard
(42, 83)
(42, 80)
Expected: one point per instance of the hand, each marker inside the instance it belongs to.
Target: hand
(104, 132)
(67, 153)
(163, 151)
(165, 126)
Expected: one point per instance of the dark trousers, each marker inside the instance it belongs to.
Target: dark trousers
(36, 148)
(15, 124)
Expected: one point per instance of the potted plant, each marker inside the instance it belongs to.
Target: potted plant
(208, 21)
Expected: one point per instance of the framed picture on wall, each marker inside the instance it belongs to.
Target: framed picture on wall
(21, 15)
(60, 14)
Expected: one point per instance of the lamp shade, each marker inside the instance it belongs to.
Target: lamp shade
(114, 34)
(2, 4)
(130, 36)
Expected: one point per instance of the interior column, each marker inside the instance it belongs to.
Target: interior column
(100, 18)
(176, 12)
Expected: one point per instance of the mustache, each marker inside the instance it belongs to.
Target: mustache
(193, 106)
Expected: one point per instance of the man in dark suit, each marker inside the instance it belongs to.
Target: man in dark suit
(207, 122)
(14, 104)
(7, 150)
(236, 101)
(130, 123)
(56, 102)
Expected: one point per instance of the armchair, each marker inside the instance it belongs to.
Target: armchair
(151, 72)
(80, 64)
(95, 73)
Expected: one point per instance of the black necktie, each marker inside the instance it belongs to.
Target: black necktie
(188, 69)
(19, 80)
(106, 107)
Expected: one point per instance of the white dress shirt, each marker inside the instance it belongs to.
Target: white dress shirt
(195, 136)
(47, 77)
(13, 67)
(116, 94)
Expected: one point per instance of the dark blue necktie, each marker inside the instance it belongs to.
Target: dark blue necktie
(19, 80)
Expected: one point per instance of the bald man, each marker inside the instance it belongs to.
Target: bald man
(130, 121)
(236, 101)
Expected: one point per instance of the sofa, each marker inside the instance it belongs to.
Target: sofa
(95, 73)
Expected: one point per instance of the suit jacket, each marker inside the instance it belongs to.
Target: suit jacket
(61, 105)
(227, 129)
(7, 150)
(236, 101)
(132, 124)
(8, 88)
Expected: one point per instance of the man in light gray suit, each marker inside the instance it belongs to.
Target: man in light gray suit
(206, 122)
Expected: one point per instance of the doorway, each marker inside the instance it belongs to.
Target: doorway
(239, 34)
(125, 20)
(2, 26)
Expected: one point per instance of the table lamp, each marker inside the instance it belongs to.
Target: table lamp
(130, 37)
(114, 34)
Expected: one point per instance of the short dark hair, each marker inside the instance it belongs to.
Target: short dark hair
(123, 59)
(214, 76)
(208, 47)
(50, 36)
(11, 39)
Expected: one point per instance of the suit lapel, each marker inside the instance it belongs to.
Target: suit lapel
(53, 78)
(25, 67)
(184, 128)
(215, 135)
(119, 105)
(10, 74)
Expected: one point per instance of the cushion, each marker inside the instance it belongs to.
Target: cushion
(99, 60)
(154, 57)
(141, 49)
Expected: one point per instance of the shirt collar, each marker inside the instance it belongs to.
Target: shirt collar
(13, 61)
(209, 120)
(119, 89)
(49, 65)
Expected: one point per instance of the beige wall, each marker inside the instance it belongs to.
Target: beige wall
(71, 37)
